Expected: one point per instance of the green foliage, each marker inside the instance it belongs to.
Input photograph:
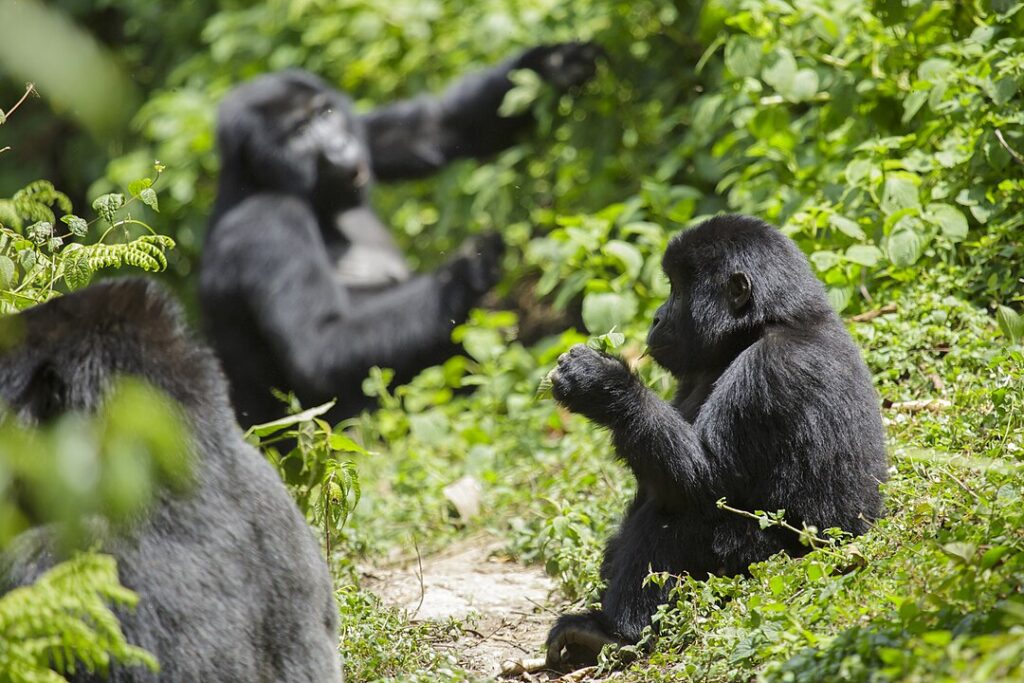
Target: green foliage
(872, 151)
(80, 467)
(35, 258)
(62, 624)
(325, 488)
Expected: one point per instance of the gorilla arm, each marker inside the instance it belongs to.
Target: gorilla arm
(326, 339)
(665, 452)
(417, 137)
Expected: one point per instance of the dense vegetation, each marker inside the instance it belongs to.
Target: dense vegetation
(885, 137)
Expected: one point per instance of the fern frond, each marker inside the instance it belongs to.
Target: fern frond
(64, 621)
(146, 252)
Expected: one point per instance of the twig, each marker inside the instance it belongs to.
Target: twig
(29, 89)
(419, 575)
(815, 541)
(949, 473)
(932, 405)
(871, 315)
(1013, 153)
(516, 667)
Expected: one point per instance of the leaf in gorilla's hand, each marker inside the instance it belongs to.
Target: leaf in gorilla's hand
(607, 343)
(544, 388)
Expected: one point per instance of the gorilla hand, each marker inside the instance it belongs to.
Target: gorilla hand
(591, 383)
(472, 272)
(563, 65)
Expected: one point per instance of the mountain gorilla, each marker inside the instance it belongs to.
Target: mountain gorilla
(302, 287)
(231, 582)
(774, 410)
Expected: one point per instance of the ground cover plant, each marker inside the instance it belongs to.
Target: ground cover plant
(884, 136)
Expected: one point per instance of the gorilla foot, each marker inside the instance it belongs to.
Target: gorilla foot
(576, 640)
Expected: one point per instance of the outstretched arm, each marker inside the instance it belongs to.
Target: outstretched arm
(417, 137)
(327, 338)
(662, 449)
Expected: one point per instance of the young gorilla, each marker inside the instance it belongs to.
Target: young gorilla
(302, 287)
(231, 582)
(774, 410)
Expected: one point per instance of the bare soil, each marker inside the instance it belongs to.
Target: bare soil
(505, 607)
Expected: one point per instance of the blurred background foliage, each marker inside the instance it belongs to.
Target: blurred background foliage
(877, 133)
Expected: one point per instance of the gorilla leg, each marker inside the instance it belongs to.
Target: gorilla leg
(577, 639)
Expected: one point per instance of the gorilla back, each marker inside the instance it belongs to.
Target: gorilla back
(231, 582)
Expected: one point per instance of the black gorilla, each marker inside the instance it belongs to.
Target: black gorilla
(774, 410)
(231, 582)
(302, 287)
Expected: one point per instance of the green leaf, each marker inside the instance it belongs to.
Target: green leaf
(782, 71)
(75, 263)
(107, 205)
(1011, 324)
(962, 552)
(900, 192)
(7, 270)
(858, 170)
(743, 56)
(342, 442)
(932, 70)
(1001, 91)
(525, 91)
(148, 197)
(951, 220)
(606, 310)
(823, 260)
(482, 344)
(864, 254)
(846, 226)
(607, 343)
(631, 258)
(804, 86)
(292, 420)
(904, 247)
(77, 226)
(39, 232)
(913, 103)
(136, 187)
(839, 297)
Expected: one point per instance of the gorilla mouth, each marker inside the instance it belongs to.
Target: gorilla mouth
(662, 354)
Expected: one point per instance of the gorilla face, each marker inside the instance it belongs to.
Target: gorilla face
(320, 128)
(715, 306)
(297, 136)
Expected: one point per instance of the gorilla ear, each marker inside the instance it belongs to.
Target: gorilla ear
(739, 288)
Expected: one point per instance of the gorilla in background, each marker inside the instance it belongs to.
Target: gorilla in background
(231, 582)
(302, 287)
(774, 409)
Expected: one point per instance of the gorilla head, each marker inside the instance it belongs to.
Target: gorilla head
(289, 132)
(731, 277)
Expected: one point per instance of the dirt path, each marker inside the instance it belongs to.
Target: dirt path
(502, 603)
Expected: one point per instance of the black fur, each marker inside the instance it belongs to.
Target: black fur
(231, 582)
(774, 410)
(302, 287)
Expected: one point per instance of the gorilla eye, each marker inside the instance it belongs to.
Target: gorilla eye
(739, 290)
